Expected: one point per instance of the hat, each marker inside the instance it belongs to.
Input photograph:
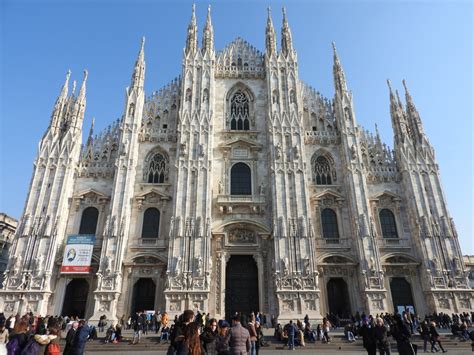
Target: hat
(365, 319)
(223, 324)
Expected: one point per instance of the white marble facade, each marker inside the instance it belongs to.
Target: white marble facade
(310, 164)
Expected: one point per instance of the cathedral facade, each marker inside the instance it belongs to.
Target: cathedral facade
(236, 187)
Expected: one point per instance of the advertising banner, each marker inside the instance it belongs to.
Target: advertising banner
(78, 254)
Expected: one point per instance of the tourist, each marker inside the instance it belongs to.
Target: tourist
(80, 338)
(18, 337)
(401, 334)
(253, 334)
(70, 338)
(435, 338)
(381, 337)
(260, 339)
(102, 323)
(178, 333)
(137, 324)
(222, 339)
(366, 331)
(192, 343)
(209, 338)
(291, 331)
(424, 331)
(239, 341)
(53, 347)
(326, 327)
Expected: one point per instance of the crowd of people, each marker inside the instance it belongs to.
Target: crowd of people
(197, 333)
(375, 332)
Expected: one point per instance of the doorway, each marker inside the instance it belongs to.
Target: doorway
(401, 295)
(143, 295)
(75, 298)
(338, 297)
(241, 279)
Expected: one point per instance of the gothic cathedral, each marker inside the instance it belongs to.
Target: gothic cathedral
(236, 187)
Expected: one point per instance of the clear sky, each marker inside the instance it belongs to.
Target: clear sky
(428, 43)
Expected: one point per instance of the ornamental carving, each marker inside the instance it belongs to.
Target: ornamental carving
(242, 236)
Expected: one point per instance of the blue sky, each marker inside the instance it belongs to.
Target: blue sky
(428, 43)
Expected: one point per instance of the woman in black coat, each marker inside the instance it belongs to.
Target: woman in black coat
(209, 338)
(70, 339)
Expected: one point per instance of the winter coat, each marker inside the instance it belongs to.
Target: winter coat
(239, 340)
(80, 339)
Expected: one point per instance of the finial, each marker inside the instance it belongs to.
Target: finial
(377, 130)
(68, 74)
(334, 47)
(73, 87)
(389, 83)
(283, 10)
(269, 11)
(86, 74)
(208, 9)
(194, 10)
(143, 41)
(404, 84)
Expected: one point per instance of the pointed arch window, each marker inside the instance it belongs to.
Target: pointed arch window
(239, 112)
(157, 169)
(329, 224)
(322, 171)
(240, 180)
(151, 223)
(387, 224)
(89, 219)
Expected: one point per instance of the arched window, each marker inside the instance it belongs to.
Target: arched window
(151, 223)
(240, 180)
(322, 171)
(89, 221)
(387, 222)
(239, 112)
(329, 222)
(157, 169)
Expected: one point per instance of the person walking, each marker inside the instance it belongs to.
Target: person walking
(326, 328)
(222, 341)
(424, 331)
(70, 338)
(209, 338)
(239, 340)
(80, 338)
(381, 337)
(368, 337)
(253, 335)
(291, 331)
(435, 338)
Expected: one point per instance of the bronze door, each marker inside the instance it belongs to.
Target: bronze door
(75, 299)
(241, 294)
(143, 295)
(338, 298)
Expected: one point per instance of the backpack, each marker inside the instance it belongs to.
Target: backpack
(13, 346)
(31, 348)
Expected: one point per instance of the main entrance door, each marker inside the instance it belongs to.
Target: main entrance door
(338, 297)
(143, 295)
(241, 279)
(75, 299)
(401, 294)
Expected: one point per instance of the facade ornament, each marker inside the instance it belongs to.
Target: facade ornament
(178, 266)
(278, 151)
(285, 265)
(262, 189)
(199, 270)
(219, 187)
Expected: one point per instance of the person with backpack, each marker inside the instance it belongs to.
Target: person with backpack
(18, 338)
(53, 347)
(177, 335)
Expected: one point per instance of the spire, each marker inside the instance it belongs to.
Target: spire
(191, 40)
(399, 124)
(91, 132)
(270, 35)
(286, 41)
(82, 90)
(138, 76)
(65, 87)
(208, 33)
(338, 72)
(414, 120)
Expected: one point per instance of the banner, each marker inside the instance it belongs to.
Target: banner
(78, 254)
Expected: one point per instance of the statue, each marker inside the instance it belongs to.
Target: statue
(199, 266)
(219, 187)
(262, 188)
(307, 266)
(177, 269)
(286, 270)
(38, 264)
(296, 152)
(278, 151)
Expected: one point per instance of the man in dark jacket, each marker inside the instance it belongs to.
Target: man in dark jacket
(239, 338)
(177, 335)
(381, 337)
(71, 334)
(368, 337)
(80, 338)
